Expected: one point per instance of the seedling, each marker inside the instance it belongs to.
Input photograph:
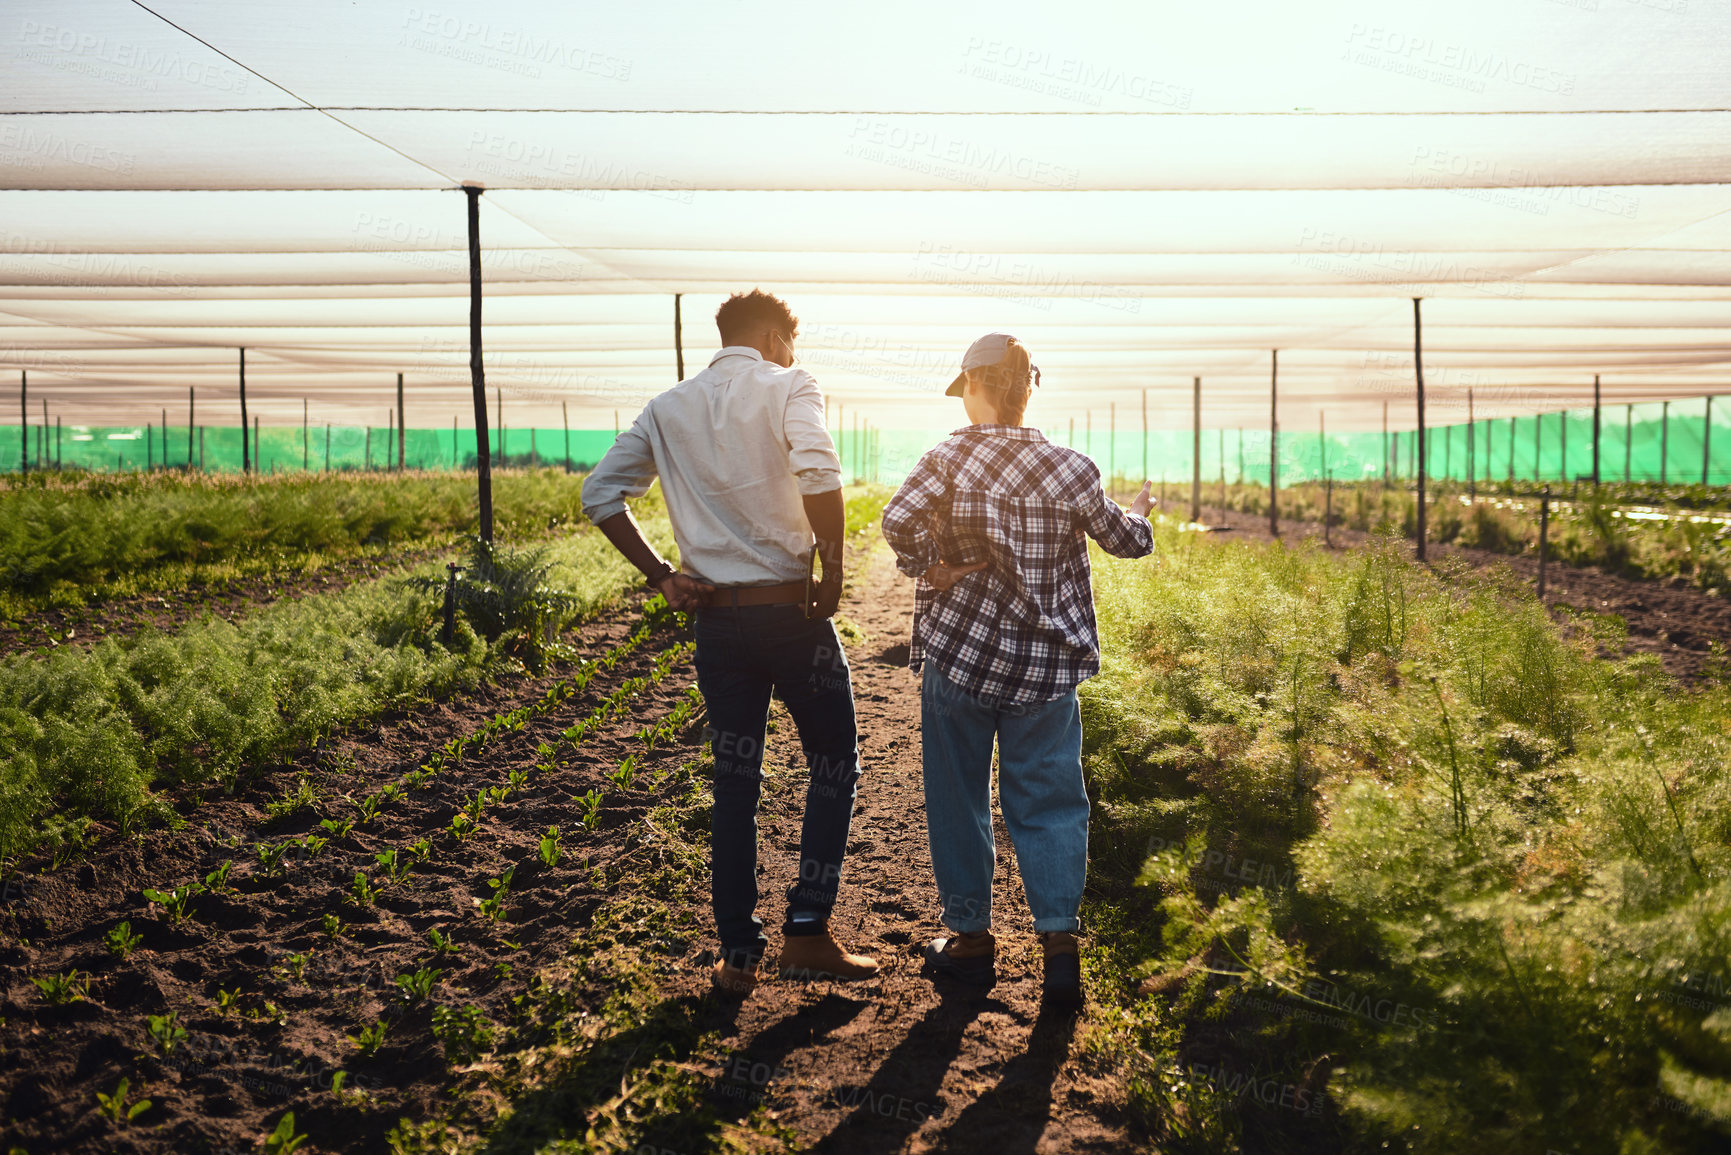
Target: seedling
(166, 1030)
(296, 964)
(461, 826)
(334, 927)
(370, 1040)
(270, 856)
(421, 850)
(283, 1140)
(217, 880)
(466, 1033)
(442, 943)
(268, 1013)
(371, 805)
(589, 809)
(516, 780)
(625, 775)
(312, 845)
(494, 907)
(361, 891)
(293, 801)
(395, 866)
(60, 990)
(121, 941)
(337, 828)
(476, 805)
(417, 986)
(174, 903)
(227, 1001)
(415, 779)
(550, 846)
(114, 1106)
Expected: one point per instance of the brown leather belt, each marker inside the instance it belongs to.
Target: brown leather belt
(790, 593)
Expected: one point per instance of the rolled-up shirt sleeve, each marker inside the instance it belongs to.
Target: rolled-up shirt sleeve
(625, 471)
(810, 452)
(1119, 532)
(907, 520)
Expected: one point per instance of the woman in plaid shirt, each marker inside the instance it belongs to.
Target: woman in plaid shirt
(993, 523)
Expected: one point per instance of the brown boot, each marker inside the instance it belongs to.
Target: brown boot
(819, 956)
(734, 981)
(1062, 985)
(968, 958)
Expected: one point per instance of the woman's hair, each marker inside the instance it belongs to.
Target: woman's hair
(1009, 381)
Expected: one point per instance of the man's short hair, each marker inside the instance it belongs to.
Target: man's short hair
(744, 314)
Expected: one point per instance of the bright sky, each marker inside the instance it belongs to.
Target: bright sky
(1142, 192)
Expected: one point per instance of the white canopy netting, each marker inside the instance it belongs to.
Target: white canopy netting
(1143, 194)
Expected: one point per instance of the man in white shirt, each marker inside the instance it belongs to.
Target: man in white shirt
(750, 476)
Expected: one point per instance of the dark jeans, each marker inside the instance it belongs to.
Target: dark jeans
(744, 654)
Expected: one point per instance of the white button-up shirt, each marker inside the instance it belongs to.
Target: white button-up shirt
(736, 447)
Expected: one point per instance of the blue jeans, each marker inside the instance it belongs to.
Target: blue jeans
(744, 654)
(1040, 788)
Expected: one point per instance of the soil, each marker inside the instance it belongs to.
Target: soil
(896, 1063)
(1673, 620)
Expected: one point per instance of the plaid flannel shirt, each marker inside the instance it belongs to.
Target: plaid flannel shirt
(1022, 629)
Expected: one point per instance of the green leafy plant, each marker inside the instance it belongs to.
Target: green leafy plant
(120, 940)
(396, 866)
(270, 857)
(501, 591)
(283, 1140)
(442, 943)
(589, 808)
(267, 1012)
(175, 903)
(313, 845)
(461, 826)
(626, 774)
(166, 1030)
(337, 828)
(217, 880)
(227, 1001)
(418, 985)
(115, 1107)
(59, 990)
(465, 1032)
(421, 850)
(361, 891)
(550, 846)
(494, 907)
(333, 927)
(302, 797)
(370, 1039)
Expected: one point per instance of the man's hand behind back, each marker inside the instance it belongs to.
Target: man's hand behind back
(683, 592)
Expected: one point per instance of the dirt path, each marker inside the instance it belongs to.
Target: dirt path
(898, 1064)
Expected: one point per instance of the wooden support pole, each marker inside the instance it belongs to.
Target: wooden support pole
(190, 422)
(565, 414)
(1472, 461)
(257, 452)
(499, 411)
(1111, 445)
(1387, 461)
(1544, 536)
(1706, 436)
(678, 340)
(477, 378)
(1596, 430)
(1196, 449)
(402, 430)
(246, 454)
(306, 438)
(1418, 373)
(1274, 444)
(24, 421)
(1144, 436)
(327, 447)
(1664, 442)
(453, 442)
(1628, 439)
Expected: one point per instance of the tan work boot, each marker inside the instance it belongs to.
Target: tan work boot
(734, 981)
(1062, 985)
(819, 956)
(970, 958)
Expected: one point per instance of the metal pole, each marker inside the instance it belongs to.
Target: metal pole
(1563, 436)
(24, 421)
(1706, 436)
(1595, 431)
(1472, 473)
(390, 436)
(565, 413)
(1544, 536)
(1222, 453)
(1418, 372)
(1538, 444)
(1144, 435)
(201, 449)
(1112, 442)
(1273, 444)
(306, 440)
(402, 433)
(257, 455)
(499, 409)
(190, 422)
(327, 447)
(678, 339)
(1196, 449)
(1386, 460)
(164, 438)
(477, 380)
(60, 450)
(453, 441)
(245, 452)
(1628, 438)
(1511, 450)
(1664, 442)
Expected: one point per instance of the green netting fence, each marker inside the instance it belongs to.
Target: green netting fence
(1677, 442)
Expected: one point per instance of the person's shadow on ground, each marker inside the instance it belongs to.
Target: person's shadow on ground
(1010, 1118)
(903, 1092)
